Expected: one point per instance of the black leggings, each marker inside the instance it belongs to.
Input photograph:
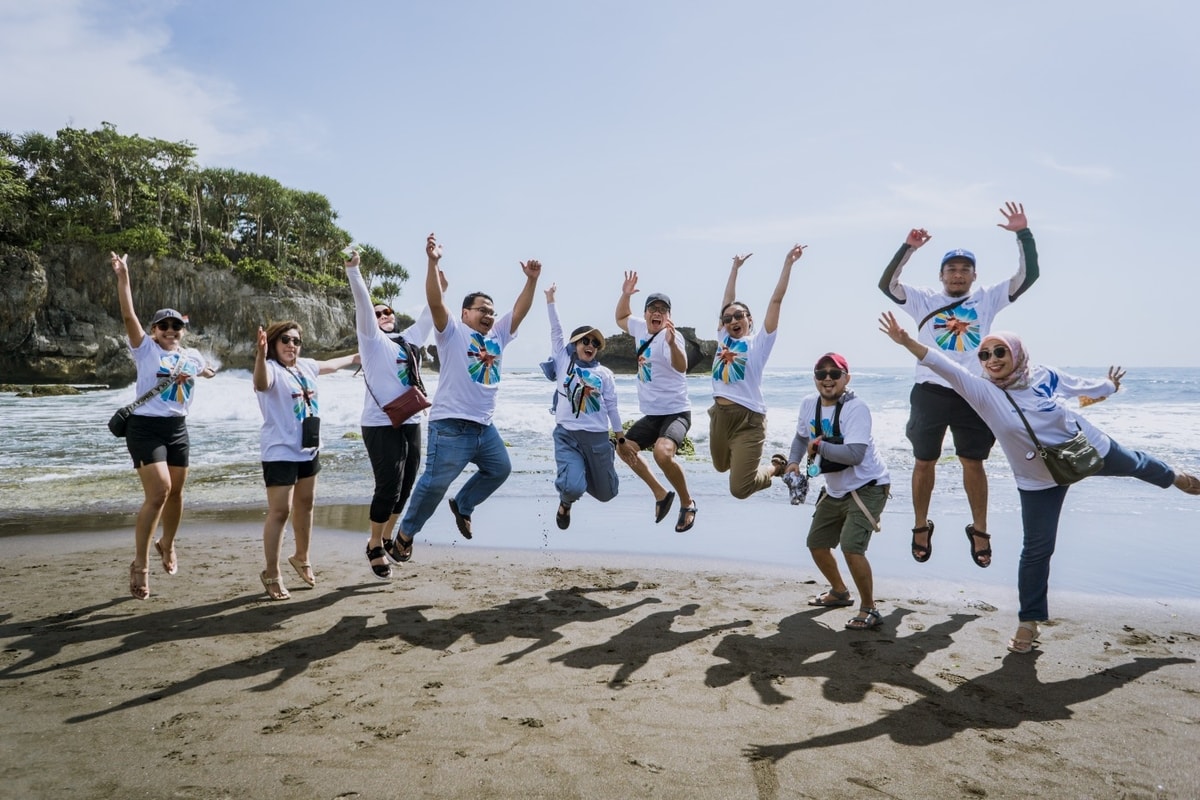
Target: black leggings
(395, 455)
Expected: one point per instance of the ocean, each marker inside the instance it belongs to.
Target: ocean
(57, 459)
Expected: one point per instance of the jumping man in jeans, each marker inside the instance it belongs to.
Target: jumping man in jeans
(460, 422)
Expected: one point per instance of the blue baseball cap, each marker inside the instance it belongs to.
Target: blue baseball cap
(953, 254)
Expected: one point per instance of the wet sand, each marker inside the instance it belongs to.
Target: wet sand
(546, 673)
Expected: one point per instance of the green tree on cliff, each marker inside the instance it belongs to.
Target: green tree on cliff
(139, 194)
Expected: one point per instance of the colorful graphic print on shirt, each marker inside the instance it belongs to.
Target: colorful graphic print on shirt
(483, 360)
(644, 373)
(582, 389)
(402, 372)
(180, 390)
(729, 365)
(957, 330)
(302, 390)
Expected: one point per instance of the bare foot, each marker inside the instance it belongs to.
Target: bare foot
(139, 582)
(169, 562)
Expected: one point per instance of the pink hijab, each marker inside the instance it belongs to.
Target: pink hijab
(1019, 377)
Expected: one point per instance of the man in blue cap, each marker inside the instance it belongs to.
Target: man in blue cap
(954, 319)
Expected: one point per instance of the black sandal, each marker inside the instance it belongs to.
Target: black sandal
(921, 553)
(563, 517)
(384, 570)
(978, 555)
(662, 507)
(397, 549)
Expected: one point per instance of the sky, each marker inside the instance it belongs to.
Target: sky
(666, 136)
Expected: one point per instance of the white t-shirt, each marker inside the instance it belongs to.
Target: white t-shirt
(284, 408)
(587, 400)
(1051, 420)
(470, 370)
(737, 372)
(384, 362)
(855, 426)
(662, 389)
(153, 364)
(957, 332)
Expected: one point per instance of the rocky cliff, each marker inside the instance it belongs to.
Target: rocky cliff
(60, 321)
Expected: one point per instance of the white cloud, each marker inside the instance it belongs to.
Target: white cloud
(65, 65)
(1093, 174)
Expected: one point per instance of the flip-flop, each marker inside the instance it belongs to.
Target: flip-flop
(166, 557)
(461, 520)
(663, 507)
(921, 553)
(683, 524)
(300, 567)
(397, 550)
(978, 555)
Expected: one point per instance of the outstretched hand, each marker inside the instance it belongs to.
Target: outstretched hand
(889, 325)
(262, 341)
(550, 292)
(739, 260)
(629, 285)
(120, 264)
(1014, 217)
(794, 254)
(1115, 374)
(917, 237)
(354, 259)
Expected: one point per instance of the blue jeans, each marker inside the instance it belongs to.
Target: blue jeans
(454, 443)
(585, 464)
(1040, 512)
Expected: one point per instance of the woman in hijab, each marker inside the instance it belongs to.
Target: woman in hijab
(1008, 381)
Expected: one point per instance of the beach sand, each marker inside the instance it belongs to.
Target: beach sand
(482, 673)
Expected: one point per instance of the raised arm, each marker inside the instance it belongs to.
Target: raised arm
(731, 284)
(365, 321)
(261, 375)
(771, 320)
(1027, 263)
(133, 328)
(557, 343)
(433, 284)
(628, 290)
(533, 270)
(889, 284)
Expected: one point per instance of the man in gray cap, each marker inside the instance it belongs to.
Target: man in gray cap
(662, 398)
(954, 320)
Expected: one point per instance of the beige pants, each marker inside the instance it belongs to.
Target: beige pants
(735, 438)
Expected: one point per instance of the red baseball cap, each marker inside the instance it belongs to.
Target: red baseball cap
(839, 361)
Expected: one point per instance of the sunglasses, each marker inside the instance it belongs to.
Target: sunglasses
(486, 311)
(657, 309)
(384, 312)
(999, 351)
(736, 316)
(828, 374)
(290, 340)
(169, 325)
(588, 340)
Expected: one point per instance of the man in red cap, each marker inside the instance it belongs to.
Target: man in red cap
(833, 434)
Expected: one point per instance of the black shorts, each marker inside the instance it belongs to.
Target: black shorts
(934, 408)
(648, 430)
(154, 439)
(286, 473)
